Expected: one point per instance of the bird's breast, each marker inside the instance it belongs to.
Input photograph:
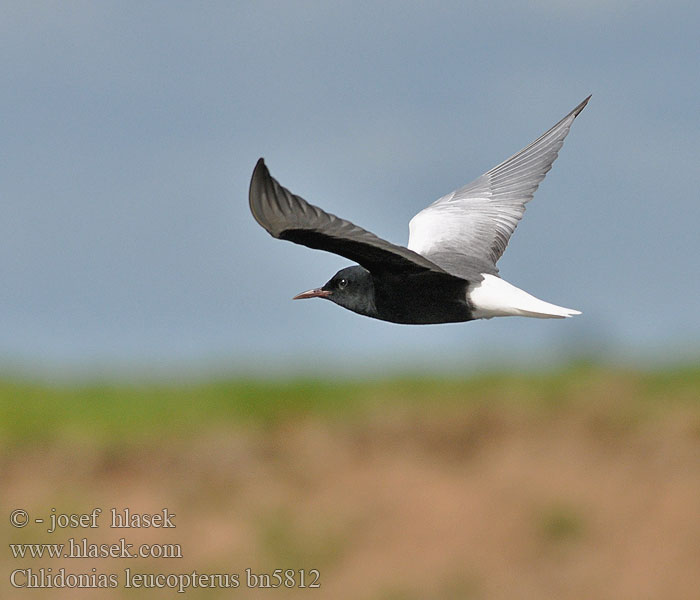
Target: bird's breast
(421, 299)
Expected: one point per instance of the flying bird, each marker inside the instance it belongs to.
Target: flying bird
(447, 273)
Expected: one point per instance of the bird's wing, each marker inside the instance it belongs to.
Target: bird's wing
(289, 217)
(467, 231)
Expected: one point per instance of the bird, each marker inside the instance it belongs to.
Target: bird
(447, 273)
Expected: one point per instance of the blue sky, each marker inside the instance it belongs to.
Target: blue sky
(130, 130)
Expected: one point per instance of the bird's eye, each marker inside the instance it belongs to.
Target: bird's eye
(342, 283)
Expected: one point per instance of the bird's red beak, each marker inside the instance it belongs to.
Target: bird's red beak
(317, 293)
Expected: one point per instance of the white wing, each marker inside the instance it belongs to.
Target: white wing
(467, 231)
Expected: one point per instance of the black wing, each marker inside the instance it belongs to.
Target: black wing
(289, 217)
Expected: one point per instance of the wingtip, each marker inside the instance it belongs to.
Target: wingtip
(256, 189)
(581, 106)
(260, 174)
(259, 166)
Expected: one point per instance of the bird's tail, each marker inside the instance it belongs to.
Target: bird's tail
(494, 297)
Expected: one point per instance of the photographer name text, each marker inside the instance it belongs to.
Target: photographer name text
(122, 518)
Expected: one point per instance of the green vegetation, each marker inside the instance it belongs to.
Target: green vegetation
(560, 522)
(31, 413)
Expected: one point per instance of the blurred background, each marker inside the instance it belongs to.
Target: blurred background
(150, 355)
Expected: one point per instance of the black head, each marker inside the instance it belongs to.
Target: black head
(351, 288)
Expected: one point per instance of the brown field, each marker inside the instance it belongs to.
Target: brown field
(579, 485)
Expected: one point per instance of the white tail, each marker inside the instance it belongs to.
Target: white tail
(494, 297)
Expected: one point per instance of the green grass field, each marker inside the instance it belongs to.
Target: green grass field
(32, 412)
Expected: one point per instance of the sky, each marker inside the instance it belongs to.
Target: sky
(129, 132)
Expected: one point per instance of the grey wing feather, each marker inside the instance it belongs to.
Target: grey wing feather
(289, 217)
(468, 230)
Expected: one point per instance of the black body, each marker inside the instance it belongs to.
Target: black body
(421, 299)
(409, 298)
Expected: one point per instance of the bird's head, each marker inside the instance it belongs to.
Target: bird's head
(351, 288)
